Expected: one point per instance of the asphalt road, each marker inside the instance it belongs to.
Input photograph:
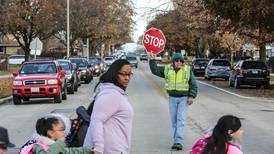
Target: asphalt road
(151, 127)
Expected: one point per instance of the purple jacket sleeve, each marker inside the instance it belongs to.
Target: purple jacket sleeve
(106, 105)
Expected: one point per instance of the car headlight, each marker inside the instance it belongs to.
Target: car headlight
(17, 83)
(52, 81)
(84, 71)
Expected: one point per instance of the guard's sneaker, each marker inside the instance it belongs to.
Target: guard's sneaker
(174, 146)
(179, 146)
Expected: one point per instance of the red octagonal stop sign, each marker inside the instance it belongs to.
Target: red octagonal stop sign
(154, 40)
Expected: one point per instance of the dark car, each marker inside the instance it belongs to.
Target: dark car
(143, 57)
(95, 66)
(72, 77)
(83, 67)
(133, 61)
(218, 68)
(199, 65)
(247, 72)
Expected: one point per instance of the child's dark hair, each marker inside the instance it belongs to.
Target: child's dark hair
(220, 135)
(43, 125)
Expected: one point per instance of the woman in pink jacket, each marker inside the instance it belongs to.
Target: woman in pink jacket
(225, 136)
(110, 126)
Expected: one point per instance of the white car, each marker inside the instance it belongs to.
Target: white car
(16, 59)
(109, 60)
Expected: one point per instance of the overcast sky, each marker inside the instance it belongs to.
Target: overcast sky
(144, 14)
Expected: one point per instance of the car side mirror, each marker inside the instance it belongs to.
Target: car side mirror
(15, 74)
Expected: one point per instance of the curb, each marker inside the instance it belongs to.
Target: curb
(5, 100)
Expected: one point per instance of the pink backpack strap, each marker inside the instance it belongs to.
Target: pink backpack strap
(28, 149)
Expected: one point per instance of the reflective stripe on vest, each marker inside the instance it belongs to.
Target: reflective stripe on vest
(177, 81)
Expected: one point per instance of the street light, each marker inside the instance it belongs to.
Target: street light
(68, 45)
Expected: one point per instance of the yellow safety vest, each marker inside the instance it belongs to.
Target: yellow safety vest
(177, 81)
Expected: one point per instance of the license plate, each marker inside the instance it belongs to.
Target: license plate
(254, 72)
(34, 90)
(202, 67)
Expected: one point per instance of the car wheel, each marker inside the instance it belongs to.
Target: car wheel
(76, 87)
(236, 83)
(71, 89)
(87, 80)
(267, 85)
(17, 100)
(64, 95)
(208, 78)
(230, 83)
(205, 77)
(58, 98)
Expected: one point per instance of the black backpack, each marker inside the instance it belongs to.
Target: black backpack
(79, 126)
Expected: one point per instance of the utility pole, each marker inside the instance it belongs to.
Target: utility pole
(68, 45)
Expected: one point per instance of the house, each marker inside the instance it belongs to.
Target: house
(8, 45)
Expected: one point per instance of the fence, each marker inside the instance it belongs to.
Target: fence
(3, 63)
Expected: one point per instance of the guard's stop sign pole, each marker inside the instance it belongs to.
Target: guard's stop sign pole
(154, 41)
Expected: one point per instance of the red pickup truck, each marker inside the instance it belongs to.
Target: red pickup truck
(39, 79)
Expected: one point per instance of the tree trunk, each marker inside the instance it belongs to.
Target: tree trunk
(262, 51)
(27, 54)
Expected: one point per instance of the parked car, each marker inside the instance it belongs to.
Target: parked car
(71, 73)
(199, 65)
(247, 72)
(38, 79)
(133, 61)
(109, 60)
(84, 68)
(143, 57)
(16, 59)
(217, 68)
(95, 65)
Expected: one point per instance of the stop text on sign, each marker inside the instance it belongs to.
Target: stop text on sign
(155, 41)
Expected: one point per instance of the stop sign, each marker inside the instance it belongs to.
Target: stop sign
(154, 40)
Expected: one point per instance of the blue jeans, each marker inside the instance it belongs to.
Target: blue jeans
(177, 108)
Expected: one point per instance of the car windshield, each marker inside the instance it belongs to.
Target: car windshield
(131, 58)
(220, 63)
(254, 65)
(79, 62)
(32, 68)
(93, 60)
(66, 66)
(201, 62)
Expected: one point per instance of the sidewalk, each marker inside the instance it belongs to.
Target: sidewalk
(5, 100)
